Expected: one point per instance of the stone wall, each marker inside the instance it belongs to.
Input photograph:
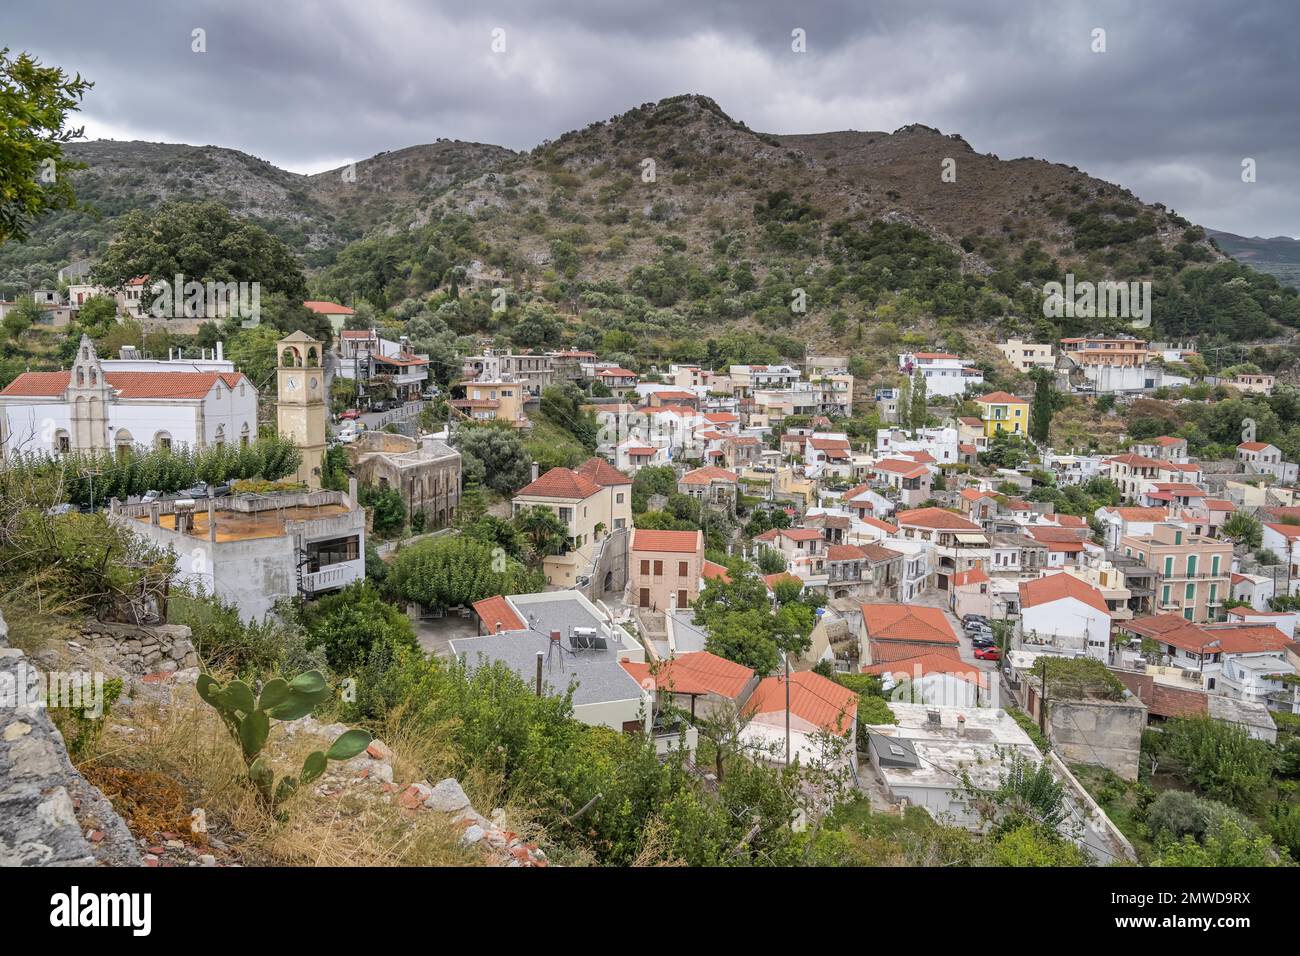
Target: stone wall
(1102, 733)
(49, 814)
(141, 649)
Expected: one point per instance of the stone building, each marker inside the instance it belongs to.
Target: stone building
(425, 471)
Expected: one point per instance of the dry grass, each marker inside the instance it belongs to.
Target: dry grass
(34, 625)
(186, 743)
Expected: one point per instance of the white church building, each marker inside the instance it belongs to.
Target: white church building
(101, 405)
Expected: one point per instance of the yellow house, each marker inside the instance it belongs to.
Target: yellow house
(1002, 412)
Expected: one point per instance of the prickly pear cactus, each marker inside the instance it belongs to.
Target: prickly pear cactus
(248, 718)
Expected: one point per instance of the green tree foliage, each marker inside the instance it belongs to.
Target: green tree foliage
(562, 406)
(1220, 759)
(1040, 413)
(545, 533)
(203, 242)
(1244, 530)
(453, 572)
(349, 624)
(387, 508)
(492, 456)
(1231, 845)
(121, 476)
(35, 101)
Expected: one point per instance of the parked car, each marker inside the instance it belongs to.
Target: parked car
(63, 509)
(150, 495)
(380, 406)
(982, 640)
(976, 628)
(978, 618)
(988, 654)
(345, 436)
(349, 415)
(196, 491)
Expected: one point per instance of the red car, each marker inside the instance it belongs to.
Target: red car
(988, 654)
(351, 413)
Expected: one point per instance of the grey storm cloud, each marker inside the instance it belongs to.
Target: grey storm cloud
(1185, 90)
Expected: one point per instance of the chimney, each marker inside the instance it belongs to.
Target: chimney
(219, 352)
(961, 725)
(534, 478)
(352, 492)
(933, 718)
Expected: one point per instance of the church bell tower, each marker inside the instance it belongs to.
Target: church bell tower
(300, 402)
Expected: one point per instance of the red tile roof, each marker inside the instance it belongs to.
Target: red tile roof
(845, 552)
(877, 523)
(715, 572)
(1197, 638)
(497, 610)
(924, 664)
(901, 622)
(882, 652)
(772, 580)
(1253, 445)
(698, 672)
(802, 534)
(814, 698)
(936, 518)
(999, 398)
(1136, 461)
(1162, 700)
(707, 475)
(906, 469)
(602, 473)
(973, 576)
(328, 308)
(1056, 587)
(678, 542)
(162, 385)
(560, 483)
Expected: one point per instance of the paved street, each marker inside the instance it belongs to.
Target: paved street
(939, 599)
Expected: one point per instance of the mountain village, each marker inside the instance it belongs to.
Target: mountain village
(994, 624)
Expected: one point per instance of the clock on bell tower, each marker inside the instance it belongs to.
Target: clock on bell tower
(300, 401)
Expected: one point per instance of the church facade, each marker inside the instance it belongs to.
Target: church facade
(95, 407)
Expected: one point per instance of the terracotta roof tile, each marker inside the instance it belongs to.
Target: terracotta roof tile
(814, 698)
(1056, 587)
(678, 542)
(901, 622)
(698, 672)
(497, 610)
(560, 483)
(602, 473)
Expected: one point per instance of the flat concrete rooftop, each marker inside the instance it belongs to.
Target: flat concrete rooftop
(247, 525)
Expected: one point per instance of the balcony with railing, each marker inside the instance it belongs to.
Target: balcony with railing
(333, 577)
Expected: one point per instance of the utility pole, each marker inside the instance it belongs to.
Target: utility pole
(1042, 703)
(786, 657)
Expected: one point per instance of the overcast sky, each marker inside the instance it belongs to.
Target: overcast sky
(1185, 90)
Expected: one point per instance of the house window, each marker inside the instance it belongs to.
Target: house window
(681, 569)
(645, 568)
(1214, 565)
(1164, 595)
(332, 551)
(1189, 592)
(1169, 567)
(659, 569)
(1191, 565)
(162, 441)
(62, 443)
